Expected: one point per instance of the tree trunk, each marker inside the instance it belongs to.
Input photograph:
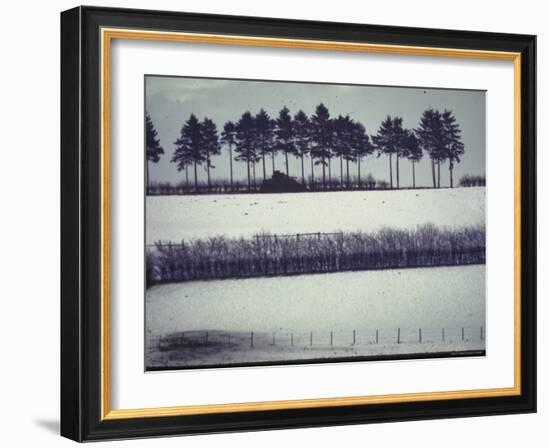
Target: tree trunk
(286, 162)
(391, 171)
(347, 171)
(303, 176)
(248, 172)
(231, 167)
(187, 178)
(254, 174)
(324, 173)
(438, 174)
(147, 175)
(433, 172)
(263, 163)
(341, 172)
(329, 172)
(359, 172)
(196, 179)
(451, 174)
(272, 162)
(397, 170)
(414, 178)
(312, 172)
(208, 171)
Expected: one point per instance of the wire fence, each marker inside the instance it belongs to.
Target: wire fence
(259, 238)
(317, 339)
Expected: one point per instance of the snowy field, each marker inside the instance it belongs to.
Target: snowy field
(428, 298)
(173, 218)
(189, 353)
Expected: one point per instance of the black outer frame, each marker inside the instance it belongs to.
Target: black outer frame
(80, 223)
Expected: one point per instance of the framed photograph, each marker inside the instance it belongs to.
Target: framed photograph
(271, 224)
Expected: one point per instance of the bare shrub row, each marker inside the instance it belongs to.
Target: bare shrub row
(472, 181)
(220, 257)
(221, 186)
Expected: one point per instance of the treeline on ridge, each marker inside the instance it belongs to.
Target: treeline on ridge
(317, 140)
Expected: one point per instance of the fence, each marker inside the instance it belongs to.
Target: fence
(239, 340)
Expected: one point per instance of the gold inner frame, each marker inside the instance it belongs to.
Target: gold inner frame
(107, 35)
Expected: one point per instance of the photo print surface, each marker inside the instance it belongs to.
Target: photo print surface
(291, 222)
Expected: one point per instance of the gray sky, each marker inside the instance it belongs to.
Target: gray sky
(170, 100)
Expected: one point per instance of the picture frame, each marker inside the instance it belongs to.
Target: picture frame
(87, 35)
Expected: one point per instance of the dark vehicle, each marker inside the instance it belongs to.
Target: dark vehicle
(281, 183)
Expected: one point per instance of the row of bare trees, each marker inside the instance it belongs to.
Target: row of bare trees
(220, 257)
(257, 139)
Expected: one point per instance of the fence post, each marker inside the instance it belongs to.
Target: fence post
(353, 337)
(463, 333)
(292, 339)
(377, 335)
(331, 338)
(399, 335)
(420, 335)
(251, 339)
(311, 338)
(481, 333)
(443, 334)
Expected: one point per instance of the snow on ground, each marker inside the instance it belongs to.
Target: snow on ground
(215, 355)
(429, 298)
(173, 218)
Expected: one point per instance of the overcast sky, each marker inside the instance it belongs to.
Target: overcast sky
(170, 100)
